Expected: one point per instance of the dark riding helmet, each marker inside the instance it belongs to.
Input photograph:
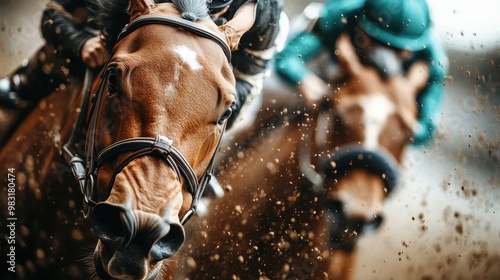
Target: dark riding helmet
(403, 24)
(215, 6)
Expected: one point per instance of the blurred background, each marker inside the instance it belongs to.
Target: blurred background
(444, 221)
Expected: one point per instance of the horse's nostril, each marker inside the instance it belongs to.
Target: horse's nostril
(168, 244)
(113, 224)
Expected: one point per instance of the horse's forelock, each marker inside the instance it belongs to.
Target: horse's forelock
(112, 15)
(192, 9)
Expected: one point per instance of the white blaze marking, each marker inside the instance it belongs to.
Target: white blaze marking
(376, 111)
(169, 89)
(188, 56)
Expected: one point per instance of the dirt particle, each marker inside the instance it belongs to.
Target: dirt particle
(475, 259)
(438, 248)
(421, 217)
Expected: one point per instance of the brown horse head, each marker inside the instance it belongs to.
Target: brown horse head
(372, 114)
(373, 123)
(377, 112)
(305, 182)
(157, 117)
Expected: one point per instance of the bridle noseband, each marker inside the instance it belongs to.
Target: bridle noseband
(348, 157)
(86, 171)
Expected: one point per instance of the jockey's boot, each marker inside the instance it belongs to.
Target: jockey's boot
(10, 86)
(36, 78)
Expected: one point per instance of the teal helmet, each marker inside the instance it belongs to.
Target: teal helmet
(402, 24)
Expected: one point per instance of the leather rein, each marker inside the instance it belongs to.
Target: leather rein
(85, 172)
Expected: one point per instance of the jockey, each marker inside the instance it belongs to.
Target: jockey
(71, 44)
(251, 61)
(388, 34)
(257, 47)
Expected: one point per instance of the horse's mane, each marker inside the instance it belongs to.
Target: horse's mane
(112, 15)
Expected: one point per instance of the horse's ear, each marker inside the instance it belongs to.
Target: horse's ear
(347, 55)
(418, 74)
(140, 7)
(242, 21)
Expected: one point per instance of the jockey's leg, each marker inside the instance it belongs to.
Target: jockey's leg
(37, 77)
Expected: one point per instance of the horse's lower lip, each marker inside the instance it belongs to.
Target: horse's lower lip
(103, 275)
(99, 268)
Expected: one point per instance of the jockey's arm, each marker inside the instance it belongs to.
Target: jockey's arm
(430, 98)
(291, 61)
(429, 102)
(250, 70)
(64, 24)
(256, 50)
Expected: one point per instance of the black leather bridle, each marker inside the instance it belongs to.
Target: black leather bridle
(86, 171)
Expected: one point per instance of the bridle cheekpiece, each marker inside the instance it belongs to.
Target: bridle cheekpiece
(85, 171)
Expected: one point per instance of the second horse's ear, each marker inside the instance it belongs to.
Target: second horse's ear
(242, 21)
(347, 55)
(418, 74)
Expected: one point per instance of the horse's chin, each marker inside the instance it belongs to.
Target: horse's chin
(99, 268)
(103, 274)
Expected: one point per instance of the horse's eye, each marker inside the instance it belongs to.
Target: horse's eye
(112, 81)
(226, 115)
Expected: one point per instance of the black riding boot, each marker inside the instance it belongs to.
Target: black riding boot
(39, 76)
(9, 89)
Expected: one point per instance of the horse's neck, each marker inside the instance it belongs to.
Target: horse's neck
(272, 112)
(282, 136)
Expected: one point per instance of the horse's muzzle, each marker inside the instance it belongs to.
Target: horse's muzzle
(103, 274)
(132, 241)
